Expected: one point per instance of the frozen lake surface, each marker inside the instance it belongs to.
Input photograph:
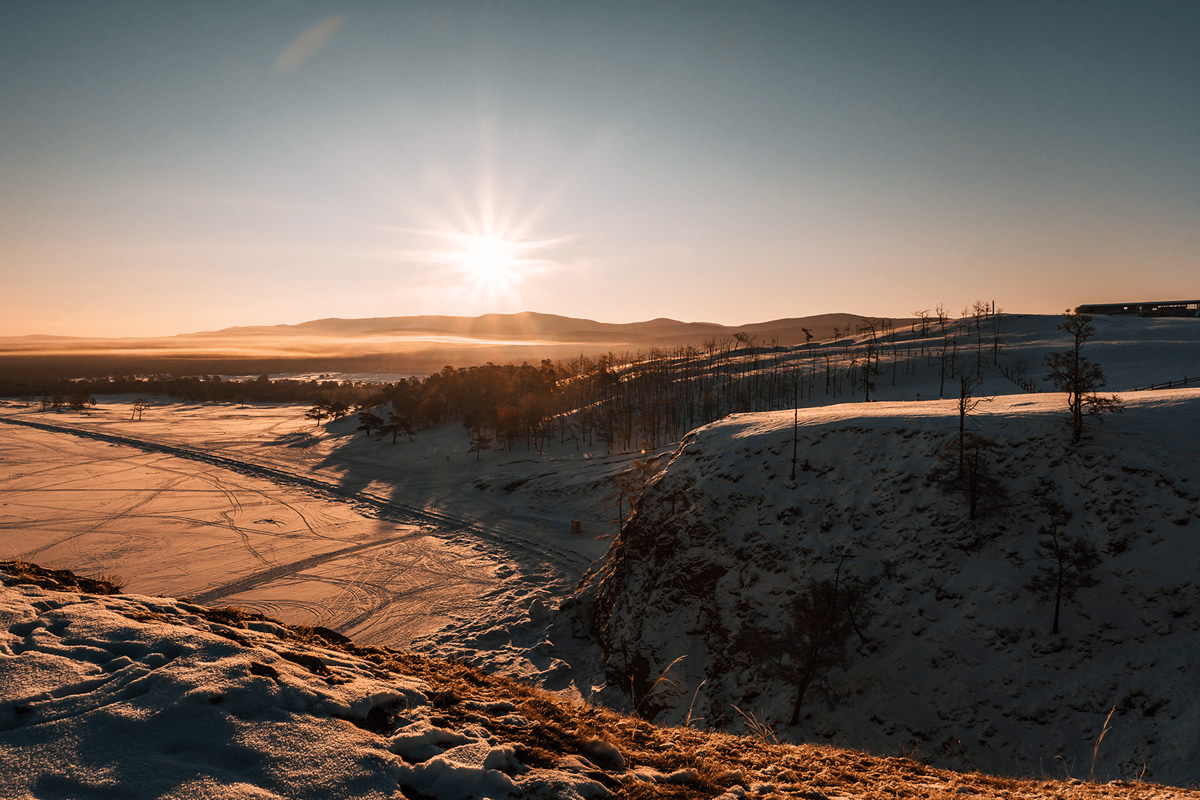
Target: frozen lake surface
(406, 544)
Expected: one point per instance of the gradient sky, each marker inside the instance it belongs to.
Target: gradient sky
(168, 167)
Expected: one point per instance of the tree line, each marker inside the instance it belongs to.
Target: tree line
(620, 401)
(192, 389)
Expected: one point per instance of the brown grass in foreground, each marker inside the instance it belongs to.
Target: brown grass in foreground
(688, 763)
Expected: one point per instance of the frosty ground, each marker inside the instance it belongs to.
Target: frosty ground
(956, 658)
(131, 696)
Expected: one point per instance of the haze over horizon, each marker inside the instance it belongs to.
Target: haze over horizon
(172, 168)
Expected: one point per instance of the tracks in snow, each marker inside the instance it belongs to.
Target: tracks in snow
(505, 541)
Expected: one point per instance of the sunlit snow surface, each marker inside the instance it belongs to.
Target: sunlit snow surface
(131, 697)
(389, 543)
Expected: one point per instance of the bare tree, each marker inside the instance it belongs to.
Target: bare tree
(1075, 374)
(812, 369)
(967, 403)
(996, 334)
(480, 443)
(964, 464)
(923, 321)
(1067, 561)
(979, 312)
(824, 616)
(795, 417)
(946, 359)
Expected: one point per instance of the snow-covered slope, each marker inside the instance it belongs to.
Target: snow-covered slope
(132, 696)
(125, 696)
(956, 660)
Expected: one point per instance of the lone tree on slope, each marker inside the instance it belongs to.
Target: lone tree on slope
(968, 401)
(480, 443)
(1067, 562)
(824, 616)
(318, 412)
(1075, 374)
(966, 465)
(369, 421)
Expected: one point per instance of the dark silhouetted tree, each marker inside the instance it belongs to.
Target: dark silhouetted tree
(965, 465)
(318, 412)
(399, 423)
(369, 421)
(967, 403)
(1066, 562)
(81, 401)
(480, 443)
(338, 409)
(795, 419)
(824, 616)
(1075, 374)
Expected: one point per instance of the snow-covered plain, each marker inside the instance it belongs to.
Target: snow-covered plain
(397, 544)
(418, 545)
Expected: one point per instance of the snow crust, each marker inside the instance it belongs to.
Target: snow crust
(133, 696)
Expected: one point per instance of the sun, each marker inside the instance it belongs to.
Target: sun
(490, 262)
(483, 255)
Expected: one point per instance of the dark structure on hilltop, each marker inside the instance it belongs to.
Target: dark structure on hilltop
(1166, 308)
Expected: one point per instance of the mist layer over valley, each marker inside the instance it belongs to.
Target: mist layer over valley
(404, 345)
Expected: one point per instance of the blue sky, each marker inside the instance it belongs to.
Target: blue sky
(172, 166)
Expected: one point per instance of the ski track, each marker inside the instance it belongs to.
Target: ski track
(111, 516)
(274, 573)
(564, 567)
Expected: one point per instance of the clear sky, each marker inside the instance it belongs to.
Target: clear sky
(168, 167)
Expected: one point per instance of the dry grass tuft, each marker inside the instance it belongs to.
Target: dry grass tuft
(758, 728)
(112, 579)
(60, 580)
(1096, 748)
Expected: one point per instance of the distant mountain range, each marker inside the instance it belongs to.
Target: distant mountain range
(389, 345)
(529, 325)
